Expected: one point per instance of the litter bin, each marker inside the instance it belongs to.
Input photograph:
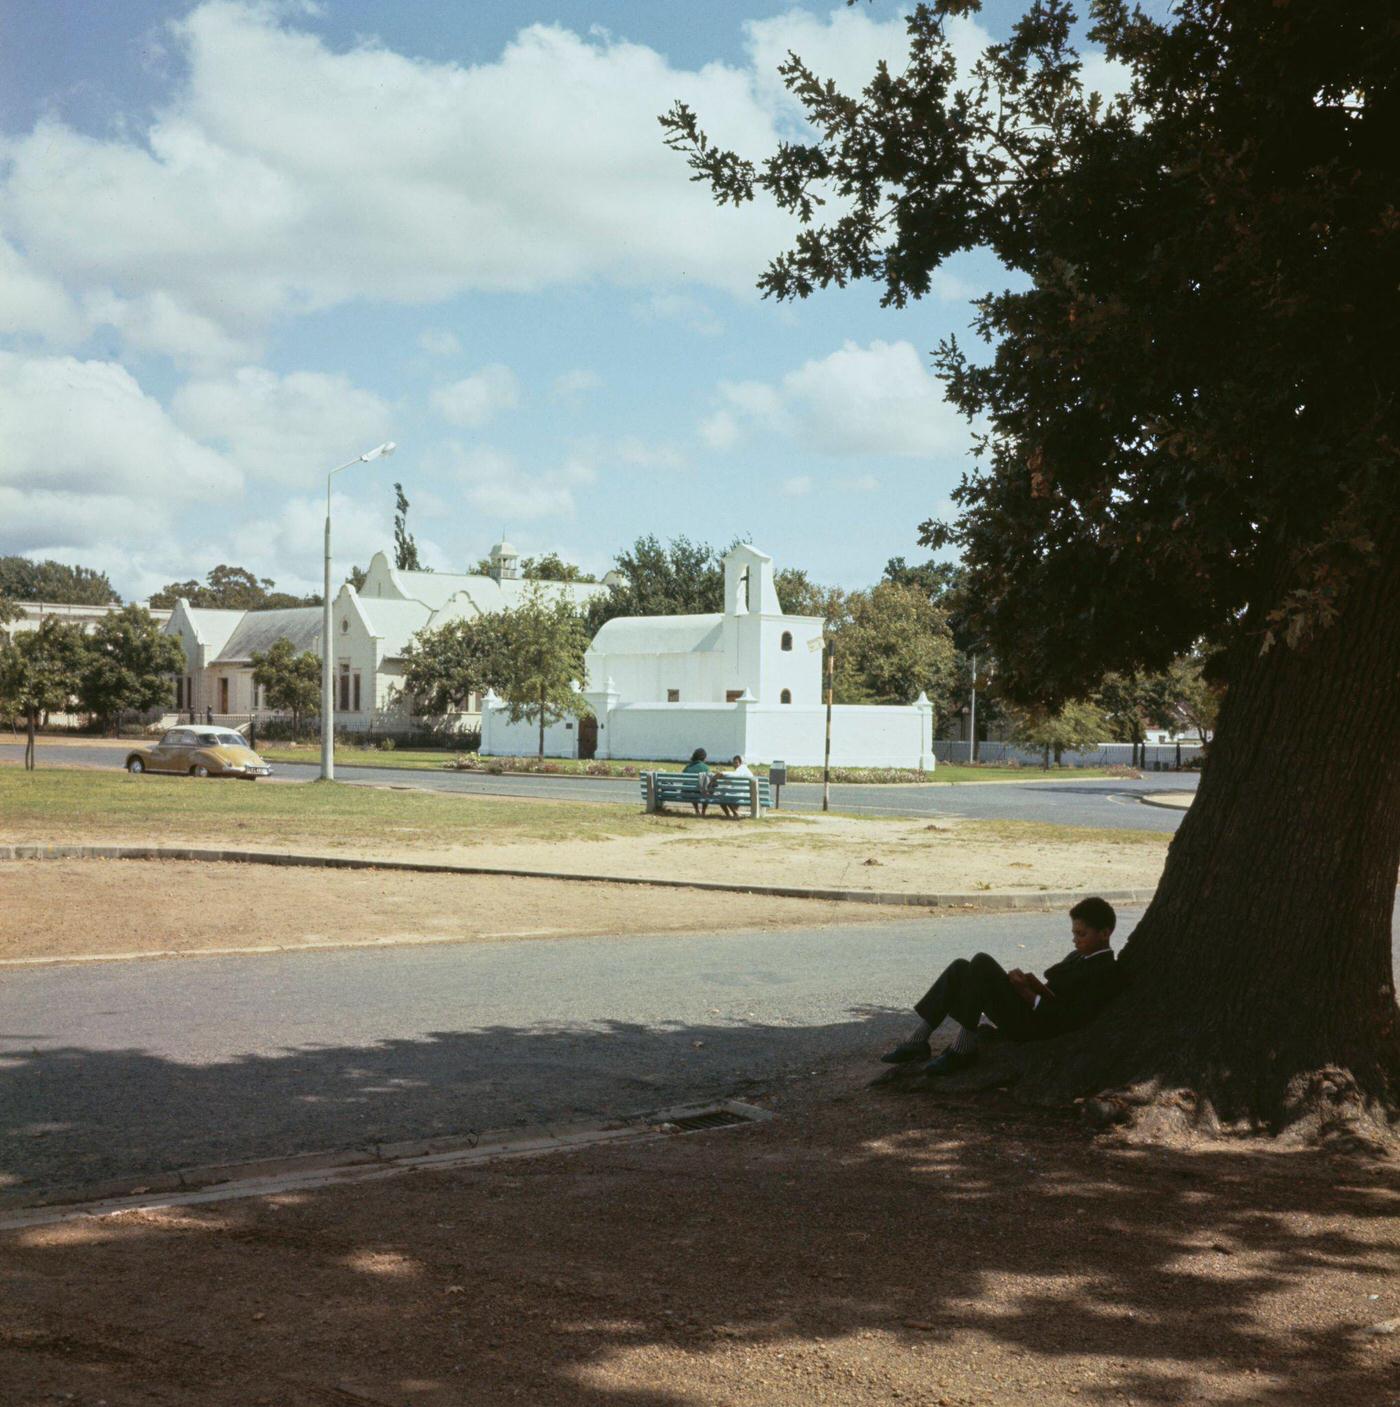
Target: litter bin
(777, 779)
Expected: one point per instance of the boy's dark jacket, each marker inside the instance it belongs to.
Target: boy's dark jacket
(1082, 987)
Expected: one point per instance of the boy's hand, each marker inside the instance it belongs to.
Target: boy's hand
(1021, 984)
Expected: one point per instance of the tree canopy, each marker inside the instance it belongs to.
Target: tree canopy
(229, 588)
(54, 582)
(41, 671)
(1186, 431)
(291, 681)
(405, 547)
(127, 664)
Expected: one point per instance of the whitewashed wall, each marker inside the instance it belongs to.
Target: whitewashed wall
(861, 736)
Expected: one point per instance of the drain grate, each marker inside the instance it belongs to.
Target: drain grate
(714, 1119)
(695, 1118)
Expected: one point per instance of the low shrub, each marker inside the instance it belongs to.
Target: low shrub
(386, 745)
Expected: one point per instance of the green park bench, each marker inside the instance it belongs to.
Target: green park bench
(750, 794)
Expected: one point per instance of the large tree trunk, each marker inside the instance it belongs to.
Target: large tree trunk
(32, 719)
(1261, 989)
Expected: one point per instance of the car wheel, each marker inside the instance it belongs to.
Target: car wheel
(199, 770)
(135, 766)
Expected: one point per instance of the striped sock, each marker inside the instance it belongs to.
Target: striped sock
(965, 1042)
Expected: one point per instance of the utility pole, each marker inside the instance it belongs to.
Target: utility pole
(830, 692)
(972, 728)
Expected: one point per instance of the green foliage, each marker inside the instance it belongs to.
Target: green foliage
(405, 548)
(443, 667)
(799, 595)
(678, 579)
(127, 664)
(892, 645)
(552, 567)
(231, 589)
(540, 661)
(358, 577)
(1189, 419)
(40, 672)
(1069, 728)
(54, 582)
(290, 681)
(1133, 703)
(1195, 697)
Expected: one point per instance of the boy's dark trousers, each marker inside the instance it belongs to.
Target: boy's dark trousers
(971, 989)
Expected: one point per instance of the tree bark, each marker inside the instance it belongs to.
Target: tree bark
(33, 721)
(1260, 983)
(542, 725)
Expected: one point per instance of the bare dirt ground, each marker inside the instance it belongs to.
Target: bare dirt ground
(860, 1249)
(844, 852)
(70, 908)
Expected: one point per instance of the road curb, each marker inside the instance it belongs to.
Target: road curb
(303, 1172)
(1158, 800)
(990, 902)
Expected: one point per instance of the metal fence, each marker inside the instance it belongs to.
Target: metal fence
(1156, 757)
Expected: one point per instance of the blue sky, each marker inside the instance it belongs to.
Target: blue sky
(242, 241)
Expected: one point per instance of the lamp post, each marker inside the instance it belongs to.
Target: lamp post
(327, 671)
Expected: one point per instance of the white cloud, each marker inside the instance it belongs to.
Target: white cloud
(33, 304)
(862, 483)
(438, 342)
(282, 176)
(691, 312)
(479, 398)
(497, 486)
(644, 454)
(289, 429)
(574, 385)
(798, 485)
(874, 400)
(720, 431)
(88, 457)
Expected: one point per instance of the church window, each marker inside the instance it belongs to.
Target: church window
(673, 696)
(785, 696)
(787, 639)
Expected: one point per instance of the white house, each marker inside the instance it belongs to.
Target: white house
(744, 681)
(371, 628)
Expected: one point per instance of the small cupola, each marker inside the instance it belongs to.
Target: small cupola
(505, 561)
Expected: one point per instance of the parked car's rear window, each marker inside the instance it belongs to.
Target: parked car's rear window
(222, 740)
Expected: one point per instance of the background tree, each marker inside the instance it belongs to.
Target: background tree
(540, 661)
(1073, 727)
(54, 582)
(799, 595)
(229, 588)
(291, 682)
(678, 579)
(357, 579)
(405, 548)
(1131, 704)
(40, 671)
(1190, 430)
(128, 664)
(893, 644)
(1195, 697)
(443, 668)
(552, 567)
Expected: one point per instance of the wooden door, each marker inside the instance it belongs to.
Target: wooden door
(588, 737)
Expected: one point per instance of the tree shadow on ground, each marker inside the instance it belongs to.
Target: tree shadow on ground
(860, 1248)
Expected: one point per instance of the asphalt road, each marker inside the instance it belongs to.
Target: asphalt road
(123, 1069)
(1064, 801)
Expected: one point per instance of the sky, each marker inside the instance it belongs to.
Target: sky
(243, 241)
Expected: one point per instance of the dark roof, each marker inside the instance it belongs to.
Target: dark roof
(258, 631)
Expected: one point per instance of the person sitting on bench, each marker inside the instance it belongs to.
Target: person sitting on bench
(1019, 1004)
(700, 767)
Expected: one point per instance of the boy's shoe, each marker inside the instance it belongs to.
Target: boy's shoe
(950, 1062)
(907, 1053)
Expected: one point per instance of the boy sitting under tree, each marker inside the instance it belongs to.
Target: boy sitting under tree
(1020, 1004)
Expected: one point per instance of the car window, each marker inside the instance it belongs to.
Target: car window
(179, 738)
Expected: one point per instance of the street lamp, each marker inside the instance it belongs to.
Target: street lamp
(327, 674)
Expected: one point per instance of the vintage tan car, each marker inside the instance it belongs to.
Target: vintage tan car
(199, 751)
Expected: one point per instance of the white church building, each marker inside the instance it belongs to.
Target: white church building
(746, 681)
(371, 627)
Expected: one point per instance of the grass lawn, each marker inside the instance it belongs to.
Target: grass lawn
(56, 804)
(433, 760)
